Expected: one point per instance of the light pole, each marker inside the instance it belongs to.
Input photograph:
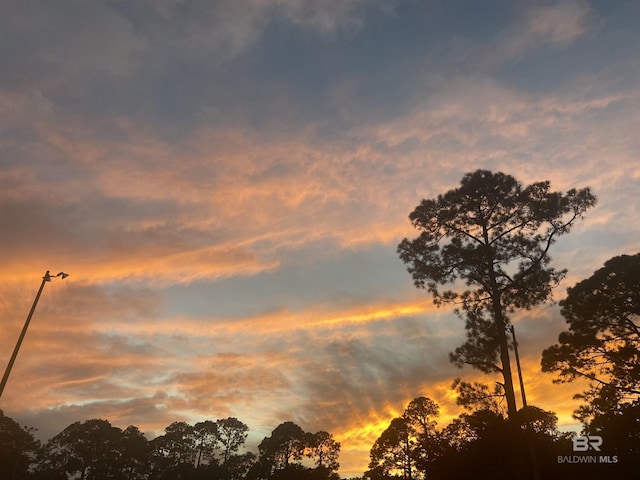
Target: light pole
(532, 448)
(47, 278)
(515, 349)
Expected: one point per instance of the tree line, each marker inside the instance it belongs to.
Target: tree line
(478, 444)
(601, 345)
(96, 450)
(484, 249)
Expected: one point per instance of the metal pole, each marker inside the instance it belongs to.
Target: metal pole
(515, 349)
(46, 278)
(532, 448)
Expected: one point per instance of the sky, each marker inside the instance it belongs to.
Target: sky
(226, 182)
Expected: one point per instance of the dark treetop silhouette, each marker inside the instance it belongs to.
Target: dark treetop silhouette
(603, 340)
(495, 235)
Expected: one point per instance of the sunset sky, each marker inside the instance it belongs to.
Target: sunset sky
(226, 182)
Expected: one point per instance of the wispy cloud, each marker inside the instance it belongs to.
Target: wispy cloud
(556, 25)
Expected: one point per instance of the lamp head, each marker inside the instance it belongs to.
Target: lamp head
(47, 276)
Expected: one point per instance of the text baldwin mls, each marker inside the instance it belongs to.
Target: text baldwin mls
(587, 459)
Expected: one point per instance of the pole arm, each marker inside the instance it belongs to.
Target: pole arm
(46, 278)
